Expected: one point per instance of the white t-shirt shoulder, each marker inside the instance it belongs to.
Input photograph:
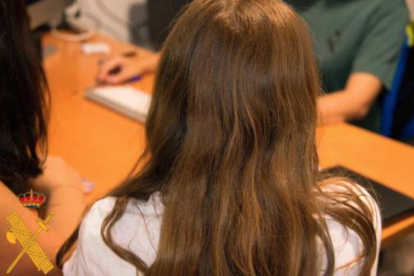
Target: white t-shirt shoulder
(139, 228)
(346, 243)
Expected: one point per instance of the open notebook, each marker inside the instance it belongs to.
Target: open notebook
(126, 100)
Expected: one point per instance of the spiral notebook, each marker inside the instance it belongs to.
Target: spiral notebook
(126, 100)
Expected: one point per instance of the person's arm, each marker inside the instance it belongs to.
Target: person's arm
(373, 67)
(67, 198)
(48, 242)
(66, 201)
(353, 102)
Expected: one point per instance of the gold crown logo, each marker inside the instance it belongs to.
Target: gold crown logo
(32, 199)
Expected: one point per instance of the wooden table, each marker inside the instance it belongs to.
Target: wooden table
(100, 143)
(104, 145)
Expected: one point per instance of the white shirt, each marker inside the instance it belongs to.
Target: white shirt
(139, 230)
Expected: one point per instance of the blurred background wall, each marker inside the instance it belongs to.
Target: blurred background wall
(122, 19)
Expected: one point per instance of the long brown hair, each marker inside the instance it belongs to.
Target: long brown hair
(231, 148)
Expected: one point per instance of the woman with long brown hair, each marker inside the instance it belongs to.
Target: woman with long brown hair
(229, 183)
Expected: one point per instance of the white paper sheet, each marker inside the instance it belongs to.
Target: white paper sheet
(127, 100)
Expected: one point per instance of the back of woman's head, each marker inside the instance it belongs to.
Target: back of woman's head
(231, 146)
(22, 117)
(236, 83)
(231, 141)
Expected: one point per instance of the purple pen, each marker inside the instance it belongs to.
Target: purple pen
(134, 79)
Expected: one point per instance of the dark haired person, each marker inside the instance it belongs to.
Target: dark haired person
(357, 44)
(228, 183)
(23, 128)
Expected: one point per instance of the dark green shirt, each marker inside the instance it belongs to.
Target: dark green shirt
(356, 36)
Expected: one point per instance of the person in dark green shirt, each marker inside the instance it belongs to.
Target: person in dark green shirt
(357, 43)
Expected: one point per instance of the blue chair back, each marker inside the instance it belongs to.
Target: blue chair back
(397, 119)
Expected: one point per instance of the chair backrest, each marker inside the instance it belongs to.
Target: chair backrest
(398, 104)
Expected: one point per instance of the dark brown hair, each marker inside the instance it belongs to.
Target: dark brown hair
(23, 100)
(231, 148)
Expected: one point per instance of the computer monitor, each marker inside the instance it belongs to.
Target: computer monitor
(42, 12)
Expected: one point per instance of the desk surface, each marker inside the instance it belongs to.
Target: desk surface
(104, 145)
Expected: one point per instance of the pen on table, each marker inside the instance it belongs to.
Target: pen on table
(136, 78)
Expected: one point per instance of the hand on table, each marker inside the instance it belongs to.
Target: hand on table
(57, 173)
(120, 69)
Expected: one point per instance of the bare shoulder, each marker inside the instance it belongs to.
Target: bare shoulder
(9, 249)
